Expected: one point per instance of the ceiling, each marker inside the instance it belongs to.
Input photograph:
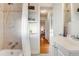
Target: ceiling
(45, 4)
(46, 7)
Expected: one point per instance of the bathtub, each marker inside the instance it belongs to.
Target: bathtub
(9, 52)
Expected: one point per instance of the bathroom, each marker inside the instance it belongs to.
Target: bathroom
(21, 23)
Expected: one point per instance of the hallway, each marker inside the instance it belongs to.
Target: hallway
(44, 45)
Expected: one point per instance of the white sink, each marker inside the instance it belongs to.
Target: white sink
(68, 46)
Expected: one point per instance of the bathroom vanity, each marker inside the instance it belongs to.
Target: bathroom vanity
(66, 46)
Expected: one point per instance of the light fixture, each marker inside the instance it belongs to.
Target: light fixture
(44, 11)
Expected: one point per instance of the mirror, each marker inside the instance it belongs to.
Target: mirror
(67, 18)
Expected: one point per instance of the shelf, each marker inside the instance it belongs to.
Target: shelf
(33, 21)
(34, 11)
(32, 16)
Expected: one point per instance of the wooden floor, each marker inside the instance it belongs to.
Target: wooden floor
(44, 45)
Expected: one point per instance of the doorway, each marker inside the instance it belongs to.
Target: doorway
(44, 30)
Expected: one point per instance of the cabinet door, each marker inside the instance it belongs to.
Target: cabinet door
(34, 43)
(60, 53)
(55, 51)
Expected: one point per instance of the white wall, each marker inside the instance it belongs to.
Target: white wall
(24, 31)
(57, 19)
(74, 19)
(43, 19)
(47, 26)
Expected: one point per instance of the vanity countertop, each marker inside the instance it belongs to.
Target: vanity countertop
(69, 44)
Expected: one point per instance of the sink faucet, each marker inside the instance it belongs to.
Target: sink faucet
(77, 36)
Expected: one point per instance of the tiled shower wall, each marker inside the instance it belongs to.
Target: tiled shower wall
(1, 26)
(11, 26)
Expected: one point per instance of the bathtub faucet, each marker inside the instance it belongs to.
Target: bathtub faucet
(13, 46)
